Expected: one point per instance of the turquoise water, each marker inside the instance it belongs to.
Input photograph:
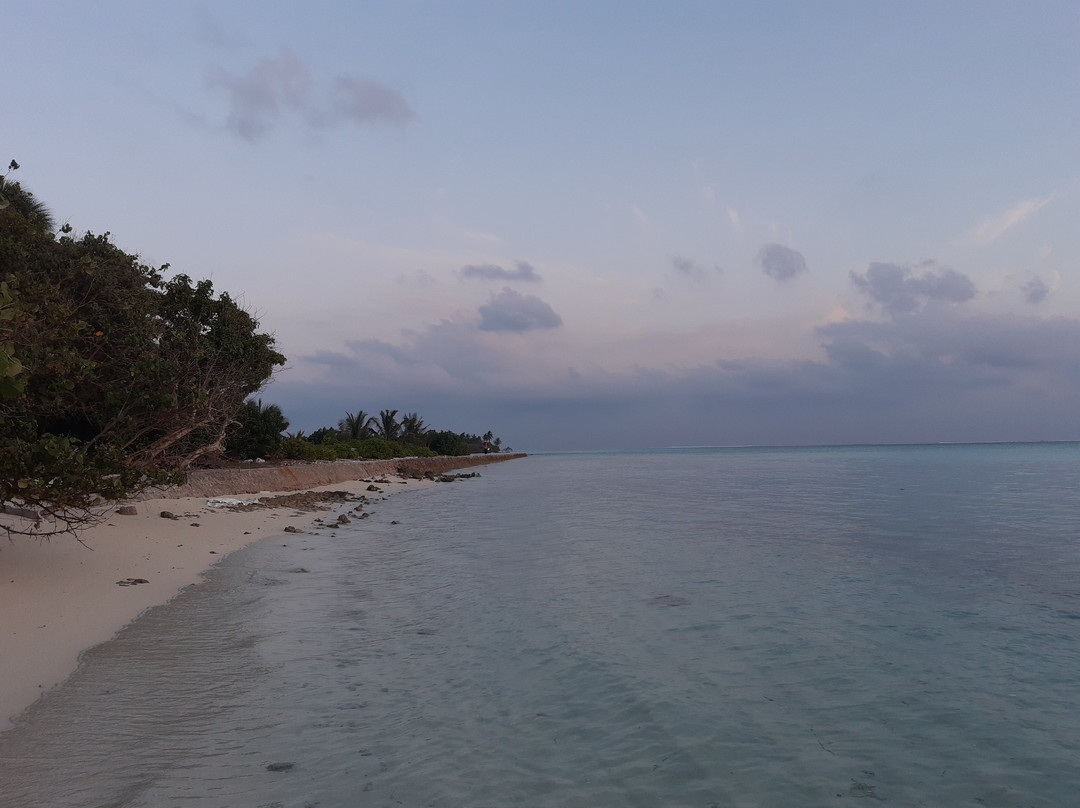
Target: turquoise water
(738, 627)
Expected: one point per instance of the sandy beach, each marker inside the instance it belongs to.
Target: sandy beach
(62, 595)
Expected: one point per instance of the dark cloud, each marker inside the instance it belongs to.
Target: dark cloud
(900, 291)
(936, 375)
(689, 268)
(512, 311)
(780, 262)
(277, 86)
(523, 272)
(363, 100)
(955, 348)
(1035, 290)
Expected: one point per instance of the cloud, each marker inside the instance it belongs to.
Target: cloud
(954, 348)
(993, 227)
(689, 268)
(1035, 290)
(937, 375)
(900, 291)
(512, 311)
(420, 277)
(273, 87)
(780, 262)
(641, 217)
(524, 272)
(364, 100)
(734, 219)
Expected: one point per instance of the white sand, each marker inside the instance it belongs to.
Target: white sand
(59, 597)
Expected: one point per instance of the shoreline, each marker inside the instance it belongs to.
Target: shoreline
(61, 596)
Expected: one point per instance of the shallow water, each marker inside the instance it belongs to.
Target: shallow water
(694, 628)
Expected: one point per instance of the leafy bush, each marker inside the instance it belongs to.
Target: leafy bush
(293, 448)
(256, 431)
(447, 443)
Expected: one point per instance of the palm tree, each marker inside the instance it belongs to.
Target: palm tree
(23, 202)
(357, 426)
(388, 427)
(412, 428)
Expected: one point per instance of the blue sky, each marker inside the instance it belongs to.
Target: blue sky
(591, 225)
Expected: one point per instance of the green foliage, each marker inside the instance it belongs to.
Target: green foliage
(379, 449)
(387, 426)
(294, 448)
(447, 443)
(357, 426)
(413, 439)
(256, 431)
(324, 435)
(10, 367)
(112, 377)
(24, 204)
(347, 449)
(413, 429)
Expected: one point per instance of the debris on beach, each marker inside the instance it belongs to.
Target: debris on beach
(229, 502)
(300, 501)
(132, 581)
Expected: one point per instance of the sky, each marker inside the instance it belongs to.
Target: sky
(590, 225)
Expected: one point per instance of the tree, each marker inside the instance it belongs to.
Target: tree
(447, 443)
(324, 434)
(387, 427)
(413, 428)
(123, 378)
(256, 430)
(357, 426)
(10, 367)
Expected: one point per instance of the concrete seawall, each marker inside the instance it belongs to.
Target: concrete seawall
(227, 482)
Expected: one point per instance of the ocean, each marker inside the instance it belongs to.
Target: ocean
(694, 627)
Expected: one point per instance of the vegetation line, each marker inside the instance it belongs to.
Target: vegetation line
(117, 379)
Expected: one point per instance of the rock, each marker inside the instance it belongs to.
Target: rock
(169, 515)
(281, 767)
(344, 520)
(395, 522)
(132, 581)
(291, 529)
(374, 487)
(127, 510)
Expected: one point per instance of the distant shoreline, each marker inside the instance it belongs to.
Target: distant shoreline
(293, 477)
